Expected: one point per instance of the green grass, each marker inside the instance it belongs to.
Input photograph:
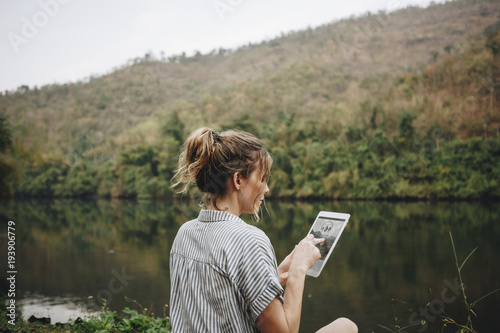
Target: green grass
(467, 327)
(105, 322)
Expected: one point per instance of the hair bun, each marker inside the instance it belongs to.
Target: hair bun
(215, 136)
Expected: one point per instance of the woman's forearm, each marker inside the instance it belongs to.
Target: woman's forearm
(277, 318)
(292, 299)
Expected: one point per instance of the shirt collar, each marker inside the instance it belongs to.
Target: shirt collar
(208, 215)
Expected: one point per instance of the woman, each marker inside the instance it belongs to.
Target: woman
(223, 272)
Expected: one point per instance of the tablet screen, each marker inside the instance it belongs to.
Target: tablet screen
(329, 229)
(328, 225)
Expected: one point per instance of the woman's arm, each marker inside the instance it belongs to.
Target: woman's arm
(286, 318)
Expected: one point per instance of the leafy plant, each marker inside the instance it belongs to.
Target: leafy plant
(396, 327)
(469, 307)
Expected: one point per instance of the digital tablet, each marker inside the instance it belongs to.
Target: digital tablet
(328, 225)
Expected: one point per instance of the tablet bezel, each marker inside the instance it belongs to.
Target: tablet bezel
(343, 216)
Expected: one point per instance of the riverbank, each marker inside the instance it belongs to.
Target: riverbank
(109, 321)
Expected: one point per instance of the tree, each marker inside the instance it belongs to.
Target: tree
(492, 33)
(407, 132)
(174, 127)
(7, 172)
(5, 135)
(243, 123)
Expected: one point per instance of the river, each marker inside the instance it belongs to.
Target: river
(394, 260)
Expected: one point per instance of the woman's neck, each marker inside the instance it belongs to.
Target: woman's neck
(228, 203)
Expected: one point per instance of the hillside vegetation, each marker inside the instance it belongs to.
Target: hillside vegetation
(399, 105)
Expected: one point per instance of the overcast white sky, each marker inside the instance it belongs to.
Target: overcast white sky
(59, 41)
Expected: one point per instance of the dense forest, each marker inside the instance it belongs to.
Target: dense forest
(402, 105)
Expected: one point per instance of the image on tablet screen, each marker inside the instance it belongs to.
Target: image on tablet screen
(327, 228)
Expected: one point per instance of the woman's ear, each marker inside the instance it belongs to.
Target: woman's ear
(236, 180)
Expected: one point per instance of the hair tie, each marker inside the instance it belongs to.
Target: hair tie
(215, 136)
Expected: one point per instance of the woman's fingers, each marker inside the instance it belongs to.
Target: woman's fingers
(314, 241)
(317, 241)
(309, 253)
(305, 254)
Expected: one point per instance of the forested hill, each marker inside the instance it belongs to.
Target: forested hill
(381, 106)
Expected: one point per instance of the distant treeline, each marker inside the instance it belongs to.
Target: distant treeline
(356, 164)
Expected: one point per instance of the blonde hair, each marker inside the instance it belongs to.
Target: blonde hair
(209, 159)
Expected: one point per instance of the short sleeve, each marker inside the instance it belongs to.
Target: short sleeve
(258, 274)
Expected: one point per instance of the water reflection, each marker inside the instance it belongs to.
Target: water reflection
(117, 249)
(59, 309)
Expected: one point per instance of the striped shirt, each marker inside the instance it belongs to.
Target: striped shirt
(223, 273)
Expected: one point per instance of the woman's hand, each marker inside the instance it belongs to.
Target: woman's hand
(305, 254)
(284, 267)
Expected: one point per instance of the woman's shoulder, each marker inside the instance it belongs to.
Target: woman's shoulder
(244, 228)
(253, 235)
(187, 225)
